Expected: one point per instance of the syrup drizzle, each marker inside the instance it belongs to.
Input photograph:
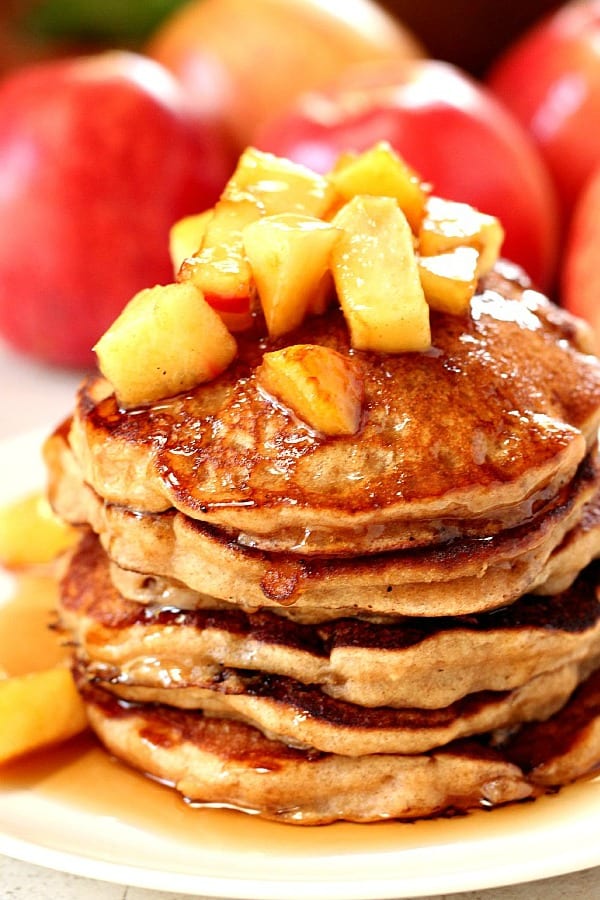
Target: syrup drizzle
(80, 773)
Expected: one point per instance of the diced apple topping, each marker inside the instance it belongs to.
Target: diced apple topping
(323, 297)
(377, 278)
(449, 279)
(448, 224)
(282, 186)
(319, 384)
(167, 340)
(289, 257)
(367, 235)
(381, 172)
(30, 533)
(220, 268)
(186, 237)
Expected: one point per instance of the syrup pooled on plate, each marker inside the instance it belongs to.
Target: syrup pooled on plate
(82, 775)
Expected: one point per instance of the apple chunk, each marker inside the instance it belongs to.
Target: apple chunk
(448, 224)
(381, 172)
(38, 709)
(31, 534)
(186, 237)
(289, 256)
(282, 185)
(377, 279)
(167, 340)
(220, 268)
(320, 385)
(449, 279)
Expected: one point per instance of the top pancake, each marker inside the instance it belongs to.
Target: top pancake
(471, 437)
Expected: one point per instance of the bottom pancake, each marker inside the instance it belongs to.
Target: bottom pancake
(225, 762)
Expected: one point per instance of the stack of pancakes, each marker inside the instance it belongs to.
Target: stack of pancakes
(393, 624)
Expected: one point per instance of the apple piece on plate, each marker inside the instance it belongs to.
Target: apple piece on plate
(319, 384)
(186, 237)
(220, 268)
(377, 278)
(448, 224)
(38, 709)
(380, 171)
(30, 533)
(281, 185)
(168, 339)
(289, 255)
(449, 279)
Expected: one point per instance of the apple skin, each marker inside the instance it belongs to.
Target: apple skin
(99, 156)
(580, 277)
(550, 80)
(257, 56)
(451, 130)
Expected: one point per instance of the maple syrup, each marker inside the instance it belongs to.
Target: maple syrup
(81, 774)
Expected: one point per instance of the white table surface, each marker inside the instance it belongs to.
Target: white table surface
(32, 396)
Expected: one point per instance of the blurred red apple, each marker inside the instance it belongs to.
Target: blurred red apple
(550, 79)
(451, 130)
(99, 156)
(254, 57)
(581, 272)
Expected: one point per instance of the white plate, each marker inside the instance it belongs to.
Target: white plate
(230, 855)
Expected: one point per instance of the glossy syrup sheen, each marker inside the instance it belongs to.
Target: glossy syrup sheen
(82, 775)
(499, 395)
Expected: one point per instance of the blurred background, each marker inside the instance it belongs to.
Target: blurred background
(469, 33)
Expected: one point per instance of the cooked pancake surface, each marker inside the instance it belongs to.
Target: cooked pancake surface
(474, 435)
(189, 561)
(424, 663)
(318, 628)
(215, 760)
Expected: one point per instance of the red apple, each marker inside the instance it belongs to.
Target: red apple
(254, 57)
(451, 130)
(581, 272)
(98, 157)
(550, 79)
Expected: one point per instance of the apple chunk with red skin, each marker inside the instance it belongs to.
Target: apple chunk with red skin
(320, 385)
(220, 268)
(166, 340)
(98, 157)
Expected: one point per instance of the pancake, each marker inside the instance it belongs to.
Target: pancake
(304, 714)
(427, 663)
(318, 628)
(193, 564)
(224, 762)
(472, 437)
